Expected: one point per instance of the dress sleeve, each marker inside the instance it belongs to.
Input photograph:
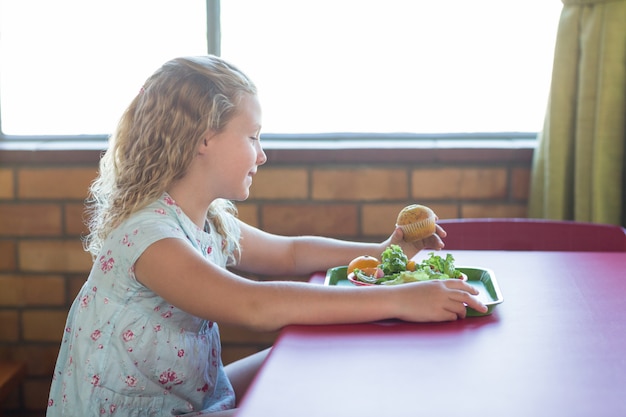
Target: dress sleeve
(131, 239)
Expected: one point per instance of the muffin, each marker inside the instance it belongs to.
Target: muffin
(417, 222)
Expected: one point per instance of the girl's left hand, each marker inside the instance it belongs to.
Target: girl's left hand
(433, 242)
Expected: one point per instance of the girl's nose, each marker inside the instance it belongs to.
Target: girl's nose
(261, 158)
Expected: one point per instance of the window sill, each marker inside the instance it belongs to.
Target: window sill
(305, 150)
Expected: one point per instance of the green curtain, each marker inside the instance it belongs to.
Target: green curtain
(579, 166)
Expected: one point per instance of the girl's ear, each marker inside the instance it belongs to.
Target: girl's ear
(204, 143)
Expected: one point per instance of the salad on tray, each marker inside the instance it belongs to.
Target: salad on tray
(396, 268)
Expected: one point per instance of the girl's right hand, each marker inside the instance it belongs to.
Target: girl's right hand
(437, 300)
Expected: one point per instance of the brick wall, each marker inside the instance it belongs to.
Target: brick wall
(344, 193)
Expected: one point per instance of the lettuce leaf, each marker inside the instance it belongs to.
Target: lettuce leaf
(393, 260)
(440, 265)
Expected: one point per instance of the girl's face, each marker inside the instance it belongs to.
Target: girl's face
(235, 153)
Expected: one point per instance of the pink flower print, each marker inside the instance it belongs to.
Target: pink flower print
(181, 353)
(95, 335)
(126, 241)
(68, 330)
(112, 408)
(50, 402)
(213, 357)
(128, 335)
(106, 264)
(169, 200)
(131, 381)
(84, 301)
(167, 314)
(169, 376)
(106, 300)
(157, 328)
(159, 211)
(95, 380)
(209, 250)
(205, 388)
(94, 289)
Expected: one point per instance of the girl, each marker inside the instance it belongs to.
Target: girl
(142, 335)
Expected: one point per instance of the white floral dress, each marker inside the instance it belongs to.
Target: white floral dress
(125, 350)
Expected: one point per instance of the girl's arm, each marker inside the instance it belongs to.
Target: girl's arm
(175, 271)
(268, 254)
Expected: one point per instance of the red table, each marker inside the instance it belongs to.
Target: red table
(556, 346)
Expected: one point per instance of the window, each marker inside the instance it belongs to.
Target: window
(395, 65)
(70, 67)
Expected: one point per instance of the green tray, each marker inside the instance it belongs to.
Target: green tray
(482, 279)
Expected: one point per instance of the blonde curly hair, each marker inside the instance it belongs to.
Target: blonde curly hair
(157, 138)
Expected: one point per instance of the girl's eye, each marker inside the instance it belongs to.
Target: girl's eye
(254, 137)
